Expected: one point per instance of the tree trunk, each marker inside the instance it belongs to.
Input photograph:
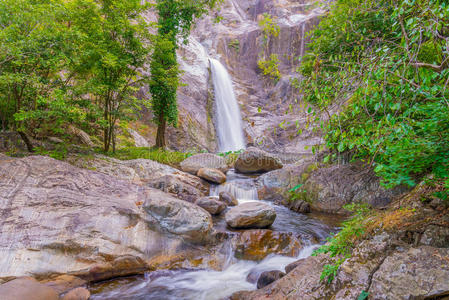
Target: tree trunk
(160, 138)
(27, 141)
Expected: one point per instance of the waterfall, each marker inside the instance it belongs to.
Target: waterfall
(228, 117)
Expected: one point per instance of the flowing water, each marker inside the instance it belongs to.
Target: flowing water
(228, 117)
(215, 285)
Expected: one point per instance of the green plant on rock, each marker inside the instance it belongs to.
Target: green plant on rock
(234, 44)
(269, 64)
(340, 246)
(270, 67)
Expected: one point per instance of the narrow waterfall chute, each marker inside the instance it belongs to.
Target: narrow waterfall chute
(228, 116)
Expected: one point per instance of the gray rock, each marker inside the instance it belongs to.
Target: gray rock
(212, 205)
(419, 273)
(436, 236)
(168, 214)
(254, 160)
(269, 277)
(139, 141)
(204, 160)
(56, 219)
(228, 198)
(55, 140)
(26, 288)
(212, 175)
(251, 215)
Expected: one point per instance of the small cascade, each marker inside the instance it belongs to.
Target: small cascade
(228, 117)
(240, 186)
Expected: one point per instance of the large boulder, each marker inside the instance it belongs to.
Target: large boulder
(58, 219)
(77, 294)
(177, 217)
(212, 175)
(211, 205)
(254, 160)
(204, 160)
(258, 244)
(26, 288)
(329, 188)
(251, 215)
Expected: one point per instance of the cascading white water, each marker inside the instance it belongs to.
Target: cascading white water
(228, 117)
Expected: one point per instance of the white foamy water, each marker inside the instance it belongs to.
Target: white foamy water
(228, 117)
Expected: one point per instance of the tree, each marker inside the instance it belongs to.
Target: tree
(32, 39)
(175, 20)
(114, 47)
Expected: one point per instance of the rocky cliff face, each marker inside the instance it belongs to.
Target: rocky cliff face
(237, 42)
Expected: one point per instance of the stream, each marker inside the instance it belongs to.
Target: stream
(206, 284)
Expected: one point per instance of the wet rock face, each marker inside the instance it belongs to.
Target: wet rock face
(77, 294)
(251, 215)
(258, 244)
(205, 160)
(211, 205)
(254, 160)
(269, 277)
(56, 219)
(26, 288)
(212, 175)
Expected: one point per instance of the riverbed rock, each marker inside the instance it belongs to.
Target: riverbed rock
(212, 175)
(268, 277)
(254, 160)
(228, 198)
(26, 288)
(64, 283)
(58, 219)
(211, 204)
(77, 294)
(177, 217)
(204, 160)
(258, 244)
(251, 215)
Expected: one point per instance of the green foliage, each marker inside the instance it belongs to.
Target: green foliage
(269, 27)
(234, 44)
(340, 246)
(385, 67)
(270, 67)
(363, 295)
(162, 156)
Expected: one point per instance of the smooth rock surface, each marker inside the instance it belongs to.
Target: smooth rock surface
(211, 205)
(212, 175)
(204, 160)
(56, 219)
(254, 160)
(269, 277)
(77, 294)
(258, 244)
(251, 215)
(26, 288)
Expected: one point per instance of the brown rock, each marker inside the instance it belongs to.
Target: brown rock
(212, 175)
(257, 244)
(212, 205)
(26, 288)
(64, 283)
(77, 294)
(228, 198)
(251, 215)
(254, 160)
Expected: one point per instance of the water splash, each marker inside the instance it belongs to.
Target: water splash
(228, 117)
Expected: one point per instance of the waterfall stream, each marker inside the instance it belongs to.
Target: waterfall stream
(228, 117)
